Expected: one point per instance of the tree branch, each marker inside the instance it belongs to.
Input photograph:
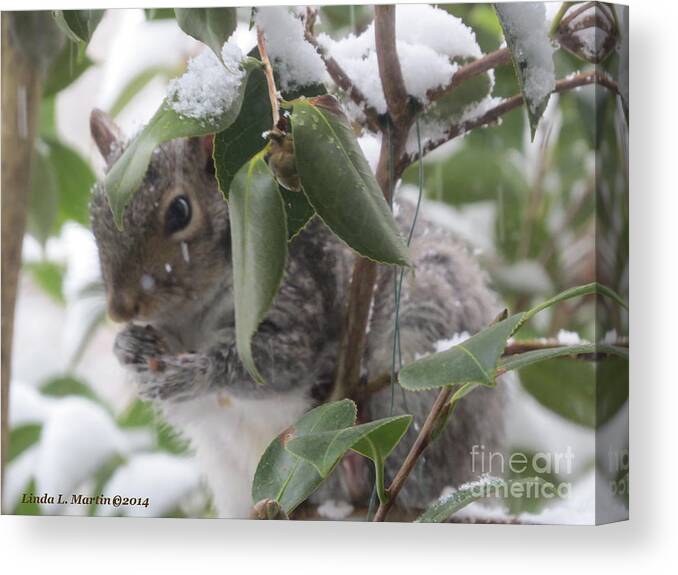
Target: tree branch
(21, 93)
(395, 130)
(390, 73)
(420, 444)
(493, 115)
(488, 62)
(341, 79)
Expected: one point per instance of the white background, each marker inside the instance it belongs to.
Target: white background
(648, 542)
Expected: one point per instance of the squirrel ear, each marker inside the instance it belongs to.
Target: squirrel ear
(105, 132)
(204, 147)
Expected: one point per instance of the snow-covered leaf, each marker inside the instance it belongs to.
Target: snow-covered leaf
(259, 239)
(339, 183)
(524, 25)
(448, 505)
(473, 361)
(477, 359)
(207, 99)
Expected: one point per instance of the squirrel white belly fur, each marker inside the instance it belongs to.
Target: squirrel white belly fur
(168, 275)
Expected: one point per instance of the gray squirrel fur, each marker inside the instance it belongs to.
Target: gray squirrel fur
(179, 339)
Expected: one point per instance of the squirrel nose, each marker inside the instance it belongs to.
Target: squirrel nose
(122, 306)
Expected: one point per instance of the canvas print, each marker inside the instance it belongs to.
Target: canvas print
(361, 263)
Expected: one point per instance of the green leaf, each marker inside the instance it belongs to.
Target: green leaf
(69, 65)
(259, 240)
(126, 175)
(287, 478)
(212, 26)
(521, 360)
(44, 193)
(447, 505)
(473, 361)
(612, 388)
(137, 84)
(159, 13)
(324, 449)
(476, 360)
(21, 438)
(535, 107)
(339, 184)
(242, 140)
(374, 440)
(78, 25)
(142, 414)
(49, 276)
(75, 179)
(27, 508)
(64, 386)
(297, 211)
(567, 388)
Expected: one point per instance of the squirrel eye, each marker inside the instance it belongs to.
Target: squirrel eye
(178, 214)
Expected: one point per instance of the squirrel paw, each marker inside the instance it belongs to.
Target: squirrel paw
(138, 346)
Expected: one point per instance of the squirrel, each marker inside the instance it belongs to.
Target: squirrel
(168, 276)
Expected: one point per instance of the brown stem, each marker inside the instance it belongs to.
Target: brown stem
(341, 79)
(420, 444)
(480, 66)
(394, 137)
(493, 115)
(270, 80)
(390, 73)
(21, 92)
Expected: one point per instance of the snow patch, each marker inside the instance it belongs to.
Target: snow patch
(295, 60)
(165, 479)
(568, 337)
(456, 339)
(428, 40)
(208, 87)
(335, 510)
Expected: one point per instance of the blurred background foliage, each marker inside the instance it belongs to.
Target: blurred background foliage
(540, 217)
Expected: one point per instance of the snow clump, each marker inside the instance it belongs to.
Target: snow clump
(208, 87)
(295, 60)
(526, 24)
(428, 39)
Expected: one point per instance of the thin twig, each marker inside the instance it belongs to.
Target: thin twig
(493, 115)
(270, 80)
(481, 65)
(420, 444)
(339, 76)
(439, 411)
